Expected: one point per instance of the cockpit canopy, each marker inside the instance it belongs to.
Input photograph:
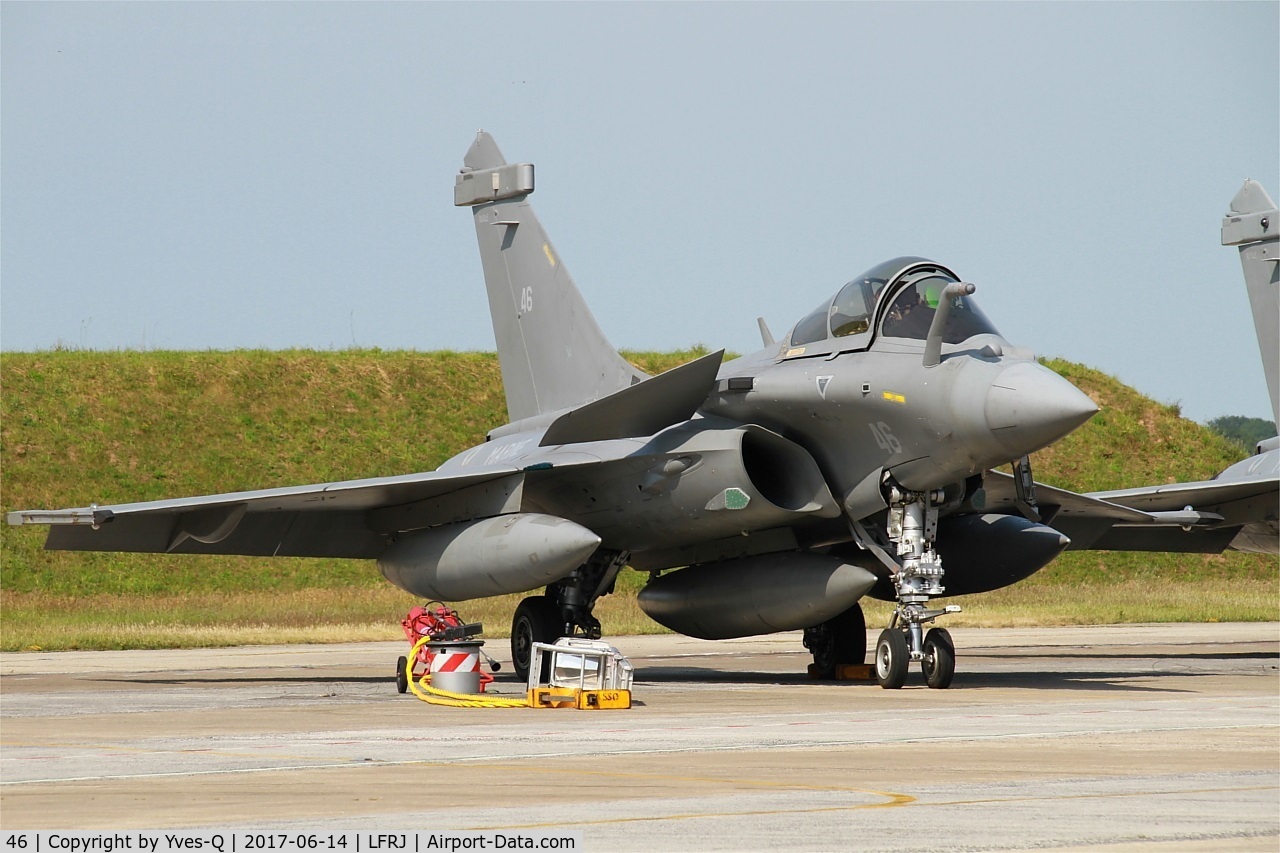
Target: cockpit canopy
(900, 295)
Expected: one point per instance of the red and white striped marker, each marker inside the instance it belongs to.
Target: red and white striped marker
(455, 660)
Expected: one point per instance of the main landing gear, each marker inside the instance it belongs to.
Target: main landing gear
(564, 610)
(537, 620)
(840, 640)
(917, 576)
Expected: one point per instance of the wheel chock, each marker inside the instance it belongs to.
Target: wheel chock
(845, 672)
(855, 672)
(602, 700)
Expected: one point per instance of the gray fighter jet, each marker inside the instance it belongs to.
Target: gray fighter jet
(769, 493)
(1237, 509)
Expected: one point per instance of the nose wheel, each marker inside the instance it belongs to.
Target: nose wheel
(937, 655)
(939, 660)
(893, 658)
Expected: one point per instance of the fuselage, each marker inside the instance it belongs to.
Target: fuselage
(880, 409)
(807, 432)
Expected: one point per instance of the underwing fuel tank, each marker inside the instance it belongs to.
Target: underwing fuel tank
(755, 595)
(493, 556)
(986, 552)
(990, 551)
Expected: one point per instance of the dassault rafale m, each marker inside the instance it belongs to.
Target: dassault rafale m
(768, 493)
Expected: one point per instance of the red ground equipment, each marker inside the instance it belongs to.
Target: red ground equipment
(440, 622)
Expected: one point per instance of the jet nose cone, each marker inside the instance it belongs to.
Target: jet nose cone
(1029, 407)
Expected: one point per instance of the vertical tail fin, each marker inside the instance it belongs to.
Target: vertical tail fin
(552, 352)
(1251, 224)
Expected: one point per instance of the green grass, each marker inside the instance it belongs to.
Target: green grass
(1132, 441)
(40, 622)
(78, 427)
(81, 427)
(313, 615)
(1136, 441)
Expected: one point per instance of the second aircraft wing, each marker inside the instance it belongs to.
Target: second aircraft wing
(1198, 517)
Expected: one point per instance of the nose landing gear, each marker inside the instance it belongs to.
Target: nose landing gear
(917, 577)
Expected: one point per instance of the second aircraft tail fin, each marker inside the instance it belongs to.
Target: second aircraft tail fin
(1251, 225)
(552, 352)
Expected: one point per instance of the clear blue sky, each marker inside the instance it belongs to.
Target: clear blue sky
(218, 176)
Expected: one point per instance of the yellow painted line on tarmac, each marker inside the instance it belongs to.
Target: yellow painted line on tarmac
(1107, 796)
(893, 801)
(671, 777)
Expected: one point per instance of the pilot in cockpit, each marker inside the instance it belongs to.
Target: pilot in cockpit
(910, 315)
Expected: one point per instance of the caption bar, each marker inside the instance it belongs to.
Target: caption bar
(285, 842)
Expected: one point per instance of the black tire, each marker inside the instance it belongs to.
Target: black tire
(402, 677)
(892, 658)
(537, 620)
(939, 664)
(840, 640)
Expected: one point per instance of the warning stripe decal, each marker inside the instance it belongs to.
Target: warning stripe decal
(456, 662)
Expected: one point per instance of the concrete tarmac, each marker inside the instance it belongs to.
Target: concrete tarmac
(1136, 737)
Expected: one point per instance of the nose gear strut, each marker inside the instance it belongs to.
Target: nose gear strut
(917, 576)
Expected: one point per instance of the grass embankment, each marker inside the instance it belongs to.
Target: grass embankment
(127, 426)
